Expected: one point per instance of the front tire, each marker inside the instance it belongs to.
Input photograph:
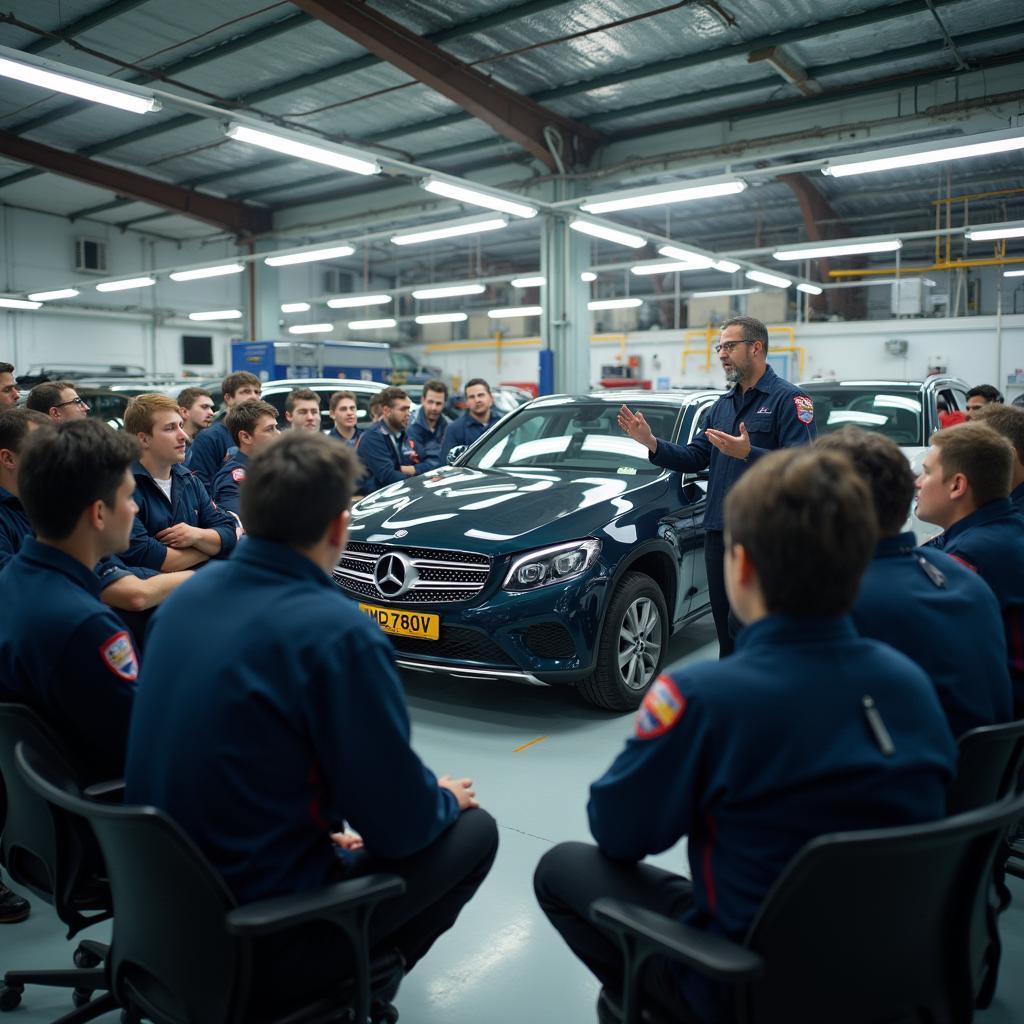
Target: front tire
(631, 648)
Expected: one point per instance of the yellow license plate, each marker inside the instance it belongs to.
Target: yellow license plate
(421, 625)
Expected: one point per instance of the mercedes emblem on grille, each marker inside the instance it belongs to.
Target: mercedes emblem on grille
(394, 575)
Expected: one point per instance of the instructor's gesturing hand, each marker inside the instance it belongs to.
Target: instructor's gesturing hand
(637, 428)
(730, 444)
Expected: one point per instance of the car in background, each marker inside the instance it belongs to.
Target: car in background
(551, 552)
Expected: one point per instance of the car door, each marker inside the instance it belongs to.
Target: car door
(694, 498)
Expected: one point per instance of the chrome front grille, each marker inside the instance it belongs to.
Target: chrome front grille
(443, 577)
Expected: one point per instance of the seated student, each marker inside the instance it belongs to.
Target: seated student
(306, 728)
(806, 729)
(302, 410)
(9, 393)
(964, 487)
(385, 449)
(921, 601)
(196, 405)
(981, 396)
(62, 651)
(429, 427)
(1008, 420)
(251, 426)
(480, 415)
(346, 417)
(57, 399)
(210, 446)
(177, 526)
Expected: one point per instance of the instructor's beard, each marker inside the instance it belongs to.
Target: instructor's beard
(732, 375)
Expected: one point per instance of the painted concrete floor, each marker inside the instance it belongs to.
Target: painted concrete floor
(502, 963)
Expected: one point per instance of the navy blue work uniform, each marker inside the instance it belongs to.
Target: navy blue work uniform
(991, 542)
(190, 503)
(465, 430)
(353, 441)
(429, 442)
(777, 414)
(67, 655)
(945, 619)
(204, 455)
(750, 758)
(1017, 498)
(296, 724)
(383, 453)
(226, 493)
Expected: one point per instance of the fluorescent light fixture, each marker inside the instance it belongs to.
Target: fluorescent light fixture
(194, 275)
(614, 303)
(296, 144)
(6, 303)
(726, 266)
(989, 231)
(121, 286)
(696, 260)
(310, 256)
(724, 291)
(311, 329)
(475, 197)
(810, 289)
(432, 234)
(811, 252)
(371, 325)
(661, 196)
(527, 282)
(61, 293)
(587, 227)
(928, 153)
(514, 311)
(588, 276)
(294, 307)
(772, 279)
(217, 314)
(1013, 273)
(675, 267)
(448, 292)
(441, 318)
(86, 87)
(353, 301)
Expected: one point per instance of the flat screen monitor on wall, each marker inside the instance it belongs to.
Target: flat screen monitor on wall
(197, 350)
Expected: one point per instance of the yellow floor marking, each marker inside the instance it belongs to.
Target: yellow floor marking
(539, 739)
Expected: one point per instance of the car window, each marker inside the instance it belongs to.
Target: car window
(894, 412)
(700, 421)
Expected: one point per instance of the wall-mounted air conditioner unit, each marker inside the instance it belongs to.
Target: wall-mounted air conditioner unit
(90, 255)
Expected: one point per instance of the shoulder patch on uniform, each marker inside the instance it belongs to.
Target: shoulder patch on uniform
(118, 654)
(804, 409)
(662, 708)
(962, 561)
(238, 475)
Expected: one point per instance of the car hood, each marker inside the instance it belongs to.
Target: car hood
(496, 512)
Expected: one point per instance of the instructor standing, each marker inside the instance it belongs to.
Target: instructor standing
(762, 412)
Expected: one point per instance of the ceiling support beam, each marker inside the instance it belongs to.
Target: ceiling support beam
(83, 24)
(226, 214)
(509, 113)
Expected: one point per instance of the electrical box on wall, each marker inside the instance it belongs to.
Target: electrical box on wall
(907, 297)
(897, 346)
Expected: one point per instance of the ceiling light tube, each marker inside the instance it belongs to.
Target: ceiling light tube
(1013, 273)
(6, 303)
(294, 307)
(432, 234)
(725, 266)
(696, 260)
(587, 227)
(371, 325)
(311, 329)
(724, 291)
(930, 153)
(121, 286)
(664, 197)
(309, 256)
(441, 318)
(61, 293)
(810, 289)
(475, 197)
(812, 252)
(588, 276)
(514, 311)
(449, 291)
(299, 145)
(527, 282)
(86, 86)
(221, 271)
(985, 232)
(217, 314)
(675, 267)
(614, 303)
(353, 301)
(772, 279)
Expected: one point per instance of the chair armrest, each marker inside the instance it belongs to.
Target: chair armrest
(264, 917)
(110, 792)
(712, 955)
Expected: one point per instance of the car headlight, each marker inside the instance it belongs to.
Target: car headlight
(556, 564)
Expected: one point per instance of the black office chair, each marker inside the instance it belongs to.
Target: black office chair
(182, 949)
(56, 856)
(990, 760)
(862, 927)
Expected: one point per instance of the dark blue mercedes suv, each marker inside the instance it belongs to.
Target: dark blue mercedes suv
(552, 551)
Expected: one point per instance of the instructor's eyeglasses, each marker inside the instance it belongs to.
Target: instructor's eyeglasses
(728, 346)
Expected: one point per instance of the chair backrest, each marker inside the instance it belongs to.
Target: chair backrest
(48, 851)
(879, 925)
(989, 766)
(171, 957)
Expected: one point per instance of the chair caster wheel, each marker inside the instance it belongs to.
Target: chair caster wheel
(80, 997)
(85, 958)
(10, 997)
(383, 1013)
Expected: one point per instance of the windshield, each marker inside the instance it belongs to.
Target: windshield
(573, 437)
(894, 412)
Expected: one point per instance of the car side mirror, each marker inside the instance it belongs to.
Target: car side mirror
(455, 453)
